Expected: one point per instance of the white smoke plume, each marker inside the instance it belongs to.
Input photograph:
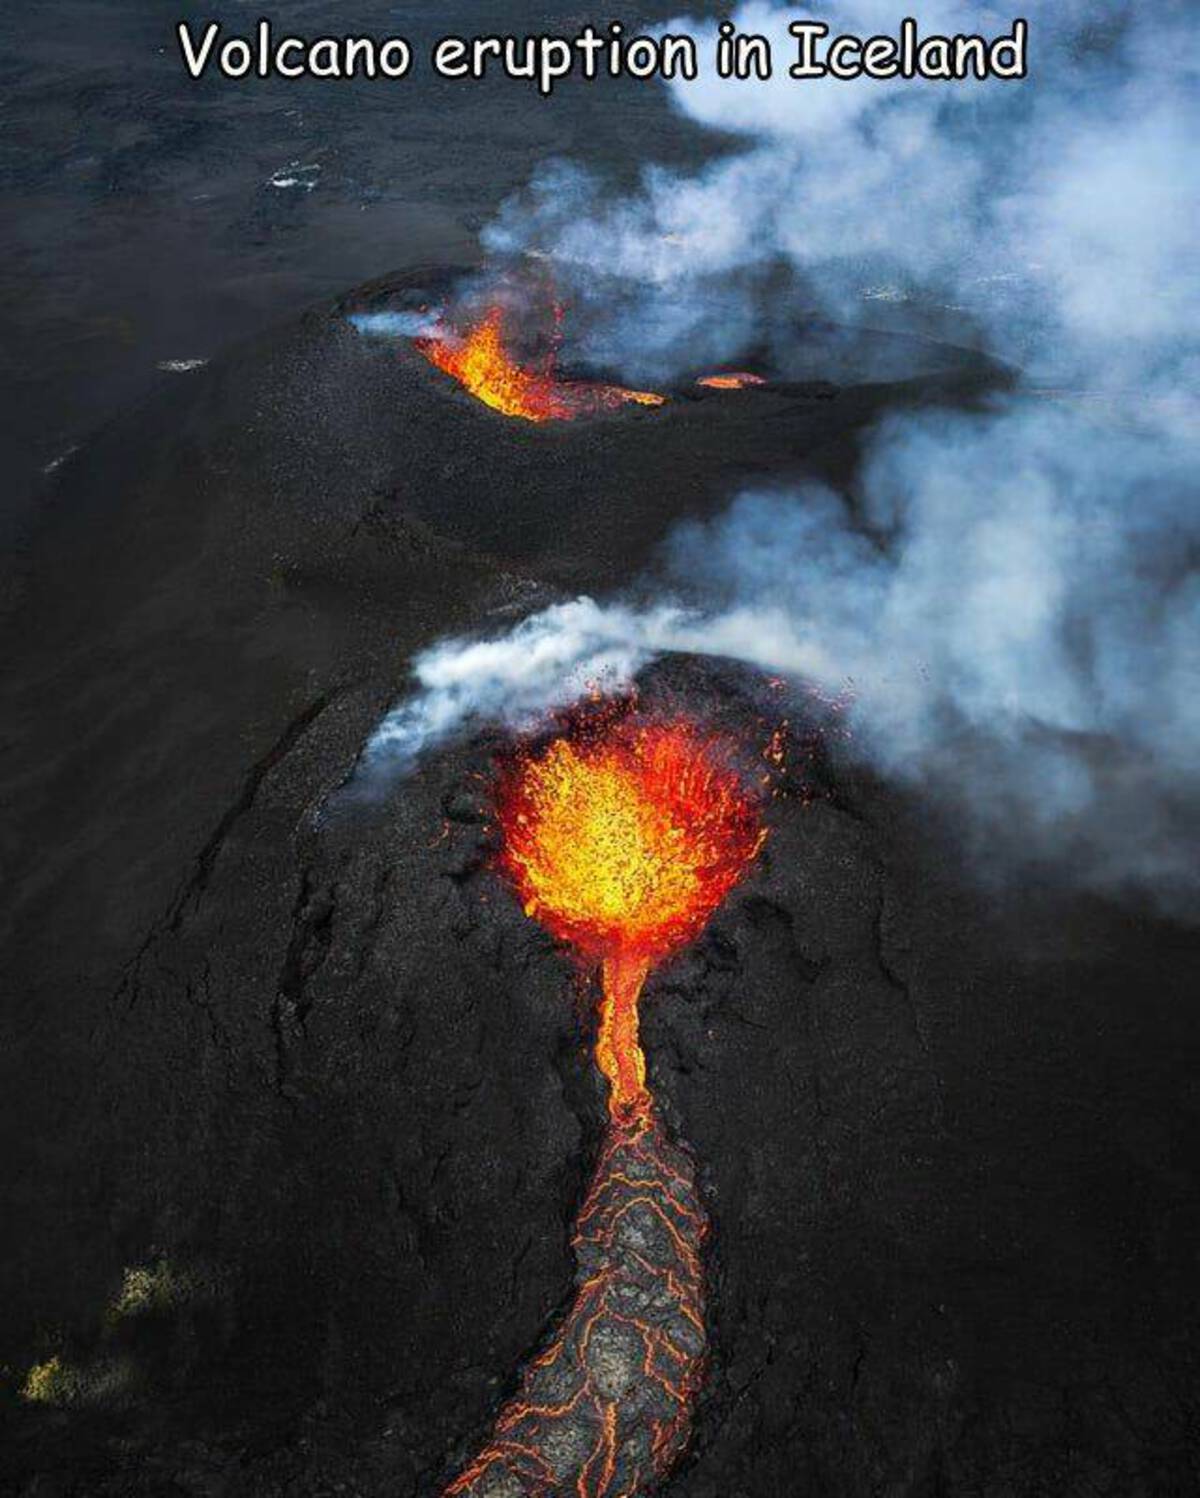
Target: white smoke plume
(1013, 596)
(396, 324)
(557, 656)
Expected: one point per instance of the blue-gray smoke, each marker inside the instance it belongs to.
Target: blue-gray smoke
(1052, 219)
(1013, 596)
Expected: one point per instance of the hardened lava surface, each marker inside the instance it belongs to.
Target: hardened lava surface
(606, 1407)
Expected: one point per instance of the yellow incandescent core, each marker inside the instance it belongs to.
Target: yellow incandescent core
(623, 846)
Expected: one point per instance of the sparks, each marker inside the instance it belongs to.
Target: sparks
(482, 363)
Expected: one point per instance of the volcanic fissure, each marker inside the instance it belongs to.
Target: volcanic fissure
(481, 360)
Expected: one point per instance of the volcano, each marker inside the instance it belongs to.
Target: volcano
(301, 1126)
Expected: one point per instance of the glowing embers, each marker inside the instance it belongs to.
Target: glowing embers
(481, 361)
(622, 840)
(605, 1409)
(739, 379)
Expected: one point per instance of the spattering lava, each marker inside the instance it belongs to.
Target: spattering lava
(622, 844)
(480, 360)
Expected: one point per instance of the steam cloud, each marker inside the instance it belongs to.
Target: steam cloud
(396, 324)
(1014, 596)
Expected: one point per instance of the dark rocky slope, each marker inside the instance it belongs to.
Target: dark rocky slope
(297, 1106)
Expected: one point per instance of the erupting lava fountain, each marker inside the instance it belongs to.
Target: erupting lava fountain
(480, 360)
(623, 846)
(622, 841)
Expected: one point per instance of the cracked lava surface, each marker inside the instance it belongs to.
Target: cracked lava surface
(606, 1408)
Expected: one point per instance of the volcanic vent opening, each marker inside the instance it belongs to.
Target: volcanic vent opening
(483, 353)
(622, 841)
(506, 339)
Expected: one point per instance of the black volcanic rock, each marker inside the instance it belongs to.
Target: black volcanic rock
(297, 1105)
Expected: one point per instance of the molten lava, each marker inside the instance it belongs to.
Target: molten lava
(481, 362)
(623, 846)
(623, 843)
(606, 1407)
(737, 380)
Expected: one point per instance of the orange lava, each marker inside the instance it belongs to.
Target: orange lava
(623, 845)
(622, 839)
(481, 362)
(738, 380)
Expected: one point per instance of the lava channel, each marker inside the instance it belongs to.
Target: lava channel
(622, 842)
(607, 1407)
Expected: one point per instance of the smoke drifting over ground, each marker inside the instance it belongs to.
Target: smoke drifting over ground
(1013, 597)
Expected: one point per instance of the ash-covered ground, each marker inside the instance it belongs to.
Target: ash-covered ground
(297, 1107)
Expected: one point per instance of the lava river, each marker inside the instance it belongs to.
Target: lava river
(622, 841)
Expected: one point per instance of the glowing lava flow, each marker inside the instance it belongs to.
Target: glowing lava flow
(623, 845)
(606, 1407)
(737, 380)
(481, 362)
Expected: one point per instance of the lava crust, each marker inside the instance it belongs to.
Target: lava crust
(607, 1406)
